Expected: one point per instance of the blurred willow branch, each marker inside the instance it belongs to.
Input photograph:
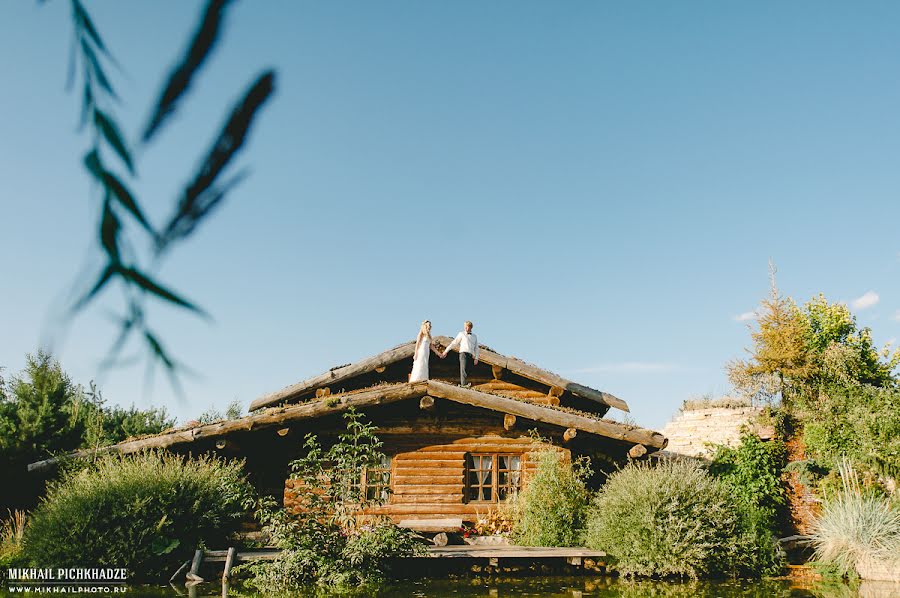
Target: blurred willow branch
(110, 162)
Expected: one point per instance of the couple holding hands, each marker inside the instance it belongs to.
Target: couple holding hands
(465, 341)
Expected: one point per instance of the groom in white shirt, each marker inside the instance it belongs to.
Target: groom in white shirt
(467, 343)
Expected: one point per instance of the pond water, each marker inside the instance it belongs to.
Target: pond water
(570, 587)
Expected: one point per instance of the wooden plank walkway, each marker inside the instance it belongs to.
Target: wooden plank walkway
(439, 552)
(510, 552)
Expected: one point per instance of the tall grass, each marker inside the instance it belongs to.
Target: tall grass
(857, 528)
(145, 512)
(12, 530)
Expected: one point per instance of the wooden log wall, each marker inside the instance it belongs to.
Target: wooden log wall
(428, 482)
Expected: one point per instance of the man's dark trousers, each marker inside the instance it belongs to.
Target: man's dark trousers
(465, 362)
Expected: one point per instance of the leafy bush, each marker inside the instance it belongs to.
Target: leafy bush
(147, 512)
(551, 509)
(856, 527)
(861, 423)
(752, 470)
(326, 541)
(675, 519)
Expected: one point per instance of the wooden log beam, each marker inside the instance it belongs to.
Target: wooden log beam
(220, 443)
(569, 434)
(497, 372)
(509, 421)
(283, 432)
(547, 414)
(265, 419)
(637, 451)
(532, 372)
(335, 376)
(426, 403)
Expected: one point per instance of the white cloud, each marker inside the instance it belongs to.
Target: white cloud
(866, 301)
(631, 367)
(746, 316)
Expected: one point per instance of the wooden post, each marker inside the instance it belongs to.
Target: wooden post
(569, 434)
(637, 451)
(229, 561)
(494, 561)
(573, 560)
(509, 421)
(426, 403)
(497, 371)
(193, 574)
(283, 431)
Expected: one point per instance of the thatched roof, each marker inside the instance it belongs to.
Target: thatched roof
(382, 395)
(341, 374)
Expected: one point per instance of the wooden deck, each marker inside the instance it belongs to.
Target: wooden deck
(573, 555)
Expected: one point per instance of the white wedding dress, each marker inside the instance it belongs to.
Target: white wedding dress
(420, 362)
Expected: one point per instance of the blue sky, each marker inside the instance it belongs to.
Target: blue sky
(599, 186)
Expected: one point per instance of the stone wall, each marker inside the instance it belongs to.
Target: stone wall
(691, 432)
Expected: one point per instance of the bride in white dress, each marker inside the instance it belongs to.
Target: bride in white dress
(423, 350)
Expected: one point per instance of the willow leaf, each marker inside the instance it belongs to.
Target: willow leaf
(111, 133)
(180, 78)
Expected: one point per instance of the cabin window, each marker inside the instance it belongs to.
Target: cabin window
(493, 477)
(378, 480)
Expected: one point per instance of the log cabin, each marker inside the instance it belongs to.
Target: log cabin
(451, 452)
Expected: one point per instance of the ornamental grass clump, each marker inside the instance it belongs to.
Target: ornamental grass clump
(857, 530)
(146, 512)
(551, 510)
(12, 530)
(675, 520)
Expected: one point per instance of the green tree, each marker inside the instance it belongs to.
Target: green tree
(43, 412)
(840, 351)
(39, 411)
(798, 349)
(779, 360)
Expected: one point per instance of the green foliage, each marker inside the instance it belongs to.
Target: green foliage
(856, 528)
(844, 353)
(796, 350)
(677, 520)
(111, 162)
(326, 542)
(552, 508)
(861, 423)
(43, 413)
(809, 472)
(752, 470)
(213, 415)
(146, 512)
